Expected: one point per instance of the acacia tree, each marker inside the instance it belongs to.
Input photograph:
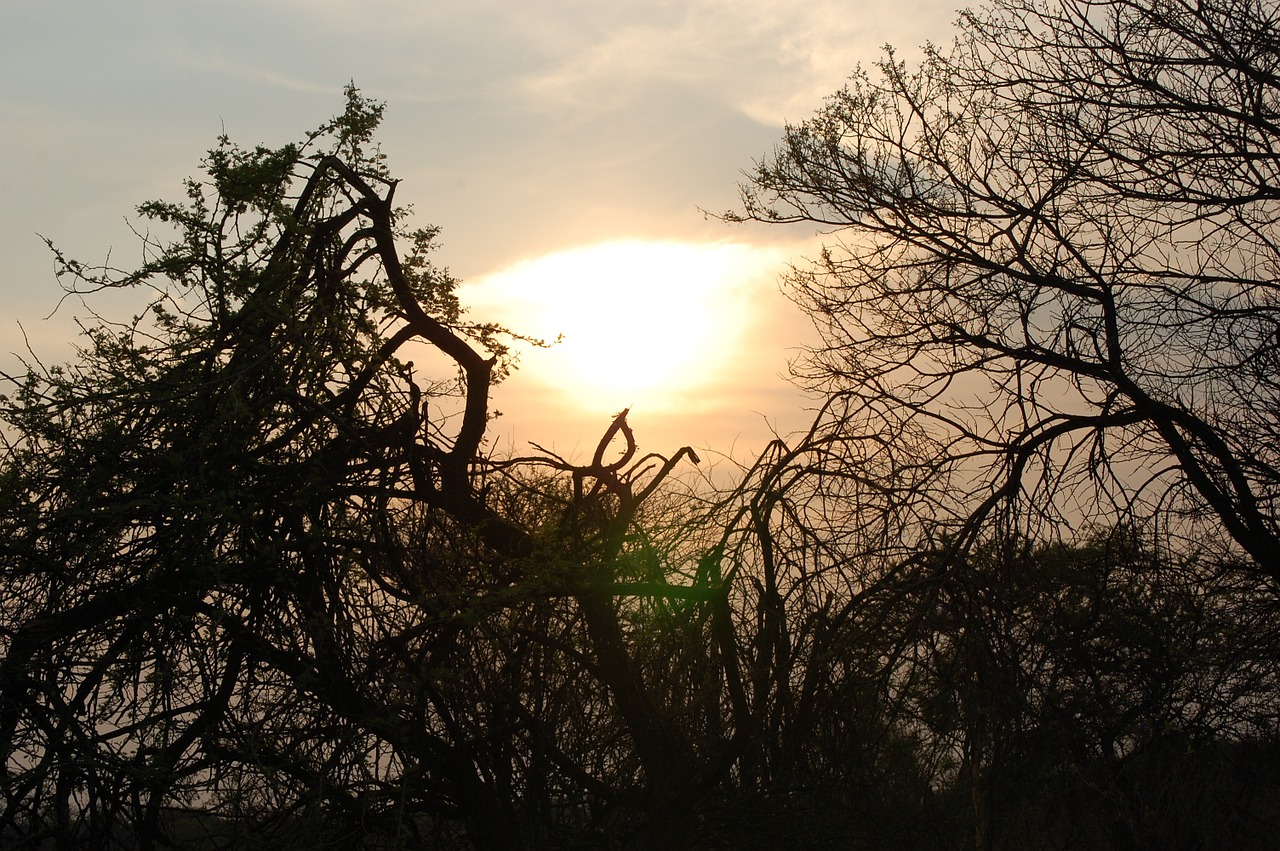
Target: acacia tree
(259, 576)
(1049, 291)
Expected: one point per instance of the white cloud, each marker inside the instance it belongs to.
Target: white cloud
(775, 61)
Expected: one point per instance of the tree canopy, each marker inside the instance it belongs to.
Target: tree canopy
(258, 563)
(1051, 284)
(264, 584)
(1045, 317)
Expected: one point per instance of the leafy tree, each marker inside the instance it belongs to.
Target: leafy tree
(1048, 667)
(1050, 287)
(1021, 694)
(261, 583)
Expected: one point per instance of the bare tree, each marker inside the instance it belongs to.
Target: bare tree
(1049, 289)
(1047, 311)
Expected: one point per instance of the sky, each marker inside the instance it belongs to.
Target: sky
(570, 151)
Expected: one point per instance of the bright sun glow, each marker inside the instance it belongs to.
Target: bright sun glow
(643, 323)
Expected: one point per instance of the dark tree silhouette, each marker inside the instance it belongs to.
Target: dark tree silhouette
(1050, 287)
(261, 581)
(1047, 320)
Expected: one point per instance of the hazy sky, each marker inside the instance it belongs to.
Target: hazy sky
(566, 148)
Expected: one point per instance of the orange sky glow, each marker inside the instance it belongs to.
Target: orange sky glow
(568, 148)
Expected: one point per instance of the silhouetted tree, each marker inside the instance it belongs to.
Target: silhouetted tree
(1047, 305)
(1048, 664)
(261, 583)
(1050, 286)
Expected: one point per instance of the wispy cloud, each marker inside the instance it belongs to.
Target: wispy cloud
(773, 60)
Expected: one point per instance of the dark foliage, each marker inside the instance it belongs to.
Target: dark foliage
(263, 585)
(1041, 495)
(256, 566)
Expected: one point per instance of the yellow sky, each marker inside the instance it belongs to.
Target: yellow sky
(567, 147)
(693, 337)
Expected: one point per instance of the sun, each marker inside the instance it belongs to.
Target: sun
(640, 323)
